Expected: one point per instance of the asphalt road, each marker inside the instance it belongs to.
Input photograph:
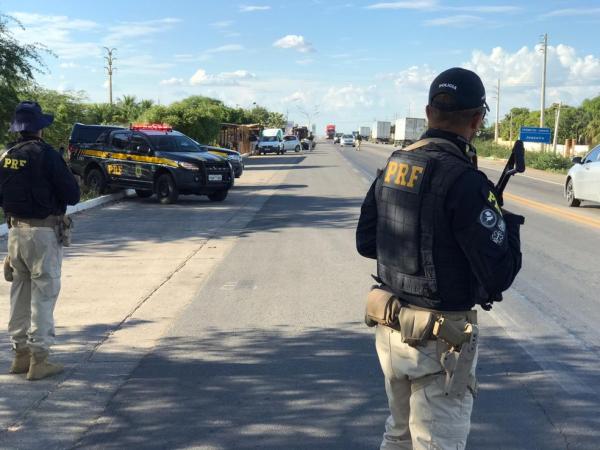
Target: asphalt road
(272, 353)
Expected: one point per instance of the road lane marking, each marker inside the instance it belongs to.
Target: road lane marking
(524, 176)
(552, 210)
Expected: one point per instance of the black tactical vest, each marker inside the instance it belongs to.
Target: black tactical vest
(26, 190)
(415, 244)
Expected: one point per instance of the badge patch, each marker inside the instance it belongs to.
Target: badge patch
(498, 237)
(138, 171)
(488, 218)
(501, 225)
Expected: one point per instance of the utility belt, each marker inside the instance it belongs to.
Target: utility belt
(62, 224)
(417, 325)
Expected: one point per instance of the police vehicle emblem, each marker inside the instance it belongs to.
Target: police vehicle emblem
(498, 237)
(488, 218)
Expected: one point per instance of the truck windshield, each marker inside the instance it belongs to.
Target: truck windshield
(174, 143)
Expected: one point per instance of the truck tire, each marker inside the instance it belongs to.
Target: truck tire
(166, 189)
(218, 196)
(96, 181)
(143, 193)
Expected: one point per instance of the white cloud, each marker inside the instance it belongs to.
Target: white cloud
(201, 77)
(297, 96)
(418, 4)
(221, 24)
(295, 42)
(68, 65)
(254, 8)
(305, 61)
(226, 48)
(459, 21)
(173, 82)
(572, 12)
(570, 77)
(126, 31)
(350, 96)
(56, 33)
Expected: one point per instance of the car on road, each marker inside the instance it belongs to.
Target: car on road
(235, 158)
(347, 140)
(583, 179)
(291, 142)
(337, 137)
(152, 159)
(270, 144)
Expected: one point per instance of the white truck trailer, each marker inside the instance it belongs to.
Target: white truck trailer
(408, 130)
(381, 131)
(365, 132)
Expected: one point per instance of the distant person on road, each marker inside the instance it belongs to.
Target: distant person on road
(358, 141)
(35, 187)
(443, 245)
(311, 141)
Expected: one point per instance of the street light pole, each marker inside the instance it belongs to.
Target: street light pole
(556, 122)
(544, 50)
(496, 128)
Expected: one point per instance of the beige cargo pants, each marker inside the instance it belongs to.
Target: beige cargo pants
(421, 417)
(36, 258)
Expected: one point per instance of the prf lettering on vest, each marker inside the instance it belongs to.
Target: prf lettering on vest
(405, 176)
(14, 164)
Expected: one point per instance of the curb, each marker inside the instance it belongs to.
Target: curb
(88, 204)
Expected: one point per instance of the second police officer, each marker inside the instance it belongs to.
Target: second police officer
(443, 245)
(35, 187)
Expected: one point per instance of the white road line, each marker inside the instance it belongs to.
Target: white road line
(525, 176)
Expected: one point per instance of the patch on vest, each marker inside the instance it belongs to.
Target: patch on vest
(13, 163)
(405, 175)
(488, 218)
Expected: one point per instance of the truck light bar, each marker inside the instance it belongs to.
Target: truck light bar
(151, 127)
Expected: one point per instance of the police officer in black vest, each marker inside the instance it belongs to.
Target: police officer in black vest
(35, 188)
(443, 245)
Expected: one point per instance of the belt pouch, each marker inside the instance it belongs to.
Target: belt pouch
(382, 308)
(416, 326)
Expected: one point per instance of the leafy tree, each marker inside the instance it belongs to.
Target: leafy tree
(18, 64)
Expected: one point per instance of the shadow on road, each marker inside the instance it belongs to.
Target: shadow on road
(250, 389)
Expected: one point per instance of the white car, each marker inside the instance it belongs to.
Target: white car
(291, 143)
(583, 179)
(347, 139)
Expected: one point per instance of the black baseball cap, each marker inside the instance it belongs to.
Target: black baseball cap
(464, 86)
(29, 117)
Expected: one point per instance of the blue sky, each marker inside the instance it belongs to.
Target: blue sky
(346, 62)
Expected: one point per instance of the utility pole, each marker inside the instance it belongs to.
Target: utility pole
(544, 50)
(556, 121)
(109, 69)
(496, 128)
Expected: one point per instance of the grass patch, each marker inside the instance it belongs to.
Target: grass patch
(536, 160)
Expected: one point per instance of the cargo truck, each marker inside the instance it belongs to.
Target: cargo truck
(381, 131)
(365, 132)
(409, 130)
(330, 131)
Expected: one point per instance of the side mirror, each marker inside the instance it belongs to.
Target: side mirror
(577, 160)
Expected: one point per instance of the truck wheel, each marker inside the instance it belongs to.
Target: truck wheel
(96, 181)
(218, 196)
(166, 189)
(570, 191)
(142, 193)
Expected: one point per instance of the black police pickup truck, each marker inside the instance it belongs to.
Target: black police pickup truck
(148, 158)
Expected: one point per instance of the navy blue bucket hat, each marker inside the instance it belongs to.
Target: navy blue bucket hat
(29, 117)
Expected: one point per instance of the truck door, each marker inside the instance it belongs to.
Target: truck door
(116, 161)
(138, 169)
